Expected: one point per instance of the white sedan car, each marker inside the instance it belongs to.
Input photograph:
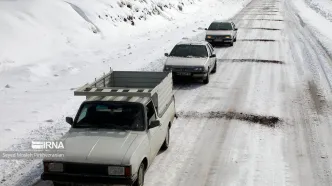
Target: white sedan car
(192, 59)
(221, 32)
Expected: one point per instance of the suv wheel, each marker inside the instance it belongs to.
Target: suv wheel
(140, 176)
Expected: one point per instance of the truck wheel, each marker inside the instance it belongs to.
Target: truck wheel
(214, 70)
(140, 176)
(166, 142)
(207, 78)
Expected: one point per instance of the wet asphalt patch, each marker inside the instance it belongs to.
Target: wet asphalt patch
(269, 121)
(272, 29)
(251, 60)
(257, 40)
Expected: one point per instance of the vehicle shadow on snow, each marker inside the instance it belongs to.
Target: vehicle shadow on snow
(184, 83)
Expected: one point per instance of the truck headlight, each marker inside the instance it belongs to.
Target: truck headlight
(116, 171)
(54, 167)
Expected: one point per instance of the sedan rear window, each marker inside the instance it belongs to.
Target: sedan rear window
(189, 51)
(220, 26)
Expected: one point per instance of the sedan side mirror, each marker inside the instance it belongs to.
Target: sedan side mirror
(166, 54)
(213, 55)
(155, 123)
(69, 120)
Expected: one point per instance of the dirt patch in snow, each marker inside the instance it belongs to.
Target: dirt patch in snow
(260, 14)
(272, 29)
(264, 19)
(270, 121)
(251, 60)
(316, 96)
(258, 40)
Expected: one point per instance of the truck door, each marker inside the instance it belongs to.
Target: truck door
(154, 134)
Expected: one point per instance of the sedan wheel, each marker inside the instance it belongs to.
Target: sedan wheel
(140, 176)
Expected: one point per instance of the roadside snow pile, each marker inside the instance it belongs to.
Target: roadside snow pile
(317, 15)
(323, 7)
(36, 29)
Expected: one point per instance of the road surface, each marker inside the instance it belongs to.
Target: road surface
(264, 118)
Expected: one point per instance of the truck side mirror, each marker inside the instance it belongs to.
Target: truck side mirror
(155, 123)
(166, 54)
(69, 120)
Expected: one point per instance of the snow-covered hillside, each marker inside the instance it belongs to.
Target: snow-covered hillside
(37, 29)
(49, 47)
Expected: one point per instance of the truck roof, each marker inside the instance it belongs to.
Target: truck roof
(189, 42)
(221, 21)
(142, 100)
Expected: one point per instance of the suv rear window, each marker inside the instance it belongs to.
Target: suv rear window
(220, 26)
(189, 51)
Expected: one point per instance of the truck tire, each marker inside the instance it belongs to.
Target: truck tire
(207, 78)
(140, 176)
(166, 142)
(214, 70)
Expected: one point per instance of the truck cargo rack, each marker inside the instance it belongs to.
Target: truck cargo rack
(129, 85)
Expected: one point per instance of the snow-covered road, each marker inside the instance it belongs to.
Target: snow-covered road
(276, 68)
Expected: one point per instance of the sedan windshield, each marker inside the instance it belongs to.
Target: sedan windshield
(189, 51)
(123, 116)
(220, 26)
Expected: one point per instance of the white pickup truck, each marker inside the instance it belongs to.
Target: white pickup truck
(117, 132)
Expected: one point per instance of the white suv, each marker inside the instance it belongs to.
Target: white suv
(192, 59)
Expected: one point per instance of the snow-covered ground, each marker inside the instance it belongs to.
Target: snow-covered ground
(317, 15)
(48, 48)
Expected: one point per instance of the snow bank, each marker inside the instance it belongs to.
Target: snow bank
(317, 15)
(36, 29)
(323, 7)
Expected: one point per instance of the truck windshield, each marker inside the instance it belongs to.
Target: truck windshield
(189, 51)
(220, 26)
(123, 116)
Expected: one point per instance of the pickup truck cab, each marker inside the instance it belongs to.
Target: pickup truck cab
(221, 32)
(117, 132)
(192, 59)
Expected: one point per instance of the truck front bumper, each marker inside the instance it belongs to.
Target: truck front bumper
(74, 178)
